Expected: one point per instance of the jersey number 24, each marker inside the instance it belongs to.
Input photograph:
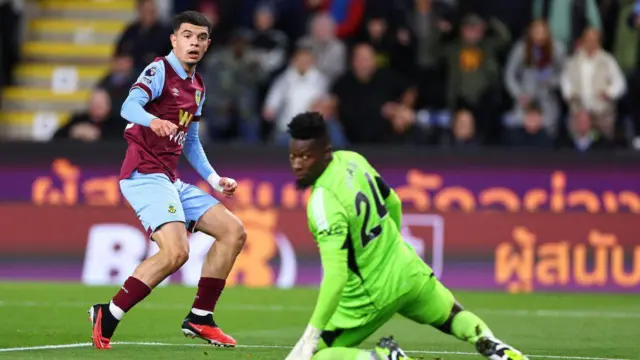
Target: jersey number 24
(361, 198)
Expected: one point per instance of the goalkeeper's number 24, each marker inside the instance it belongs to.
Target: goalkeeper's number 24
(361, 198)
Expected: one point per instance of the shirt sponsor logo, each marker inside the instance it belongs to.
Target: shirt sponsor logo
(335, 229)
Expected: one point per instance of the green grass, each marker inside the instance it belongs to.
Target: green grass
(571, 325)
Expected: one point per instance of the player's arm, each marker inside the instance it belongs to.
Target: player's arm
(328, 224)
(194, 152)
(147, 87)
(391, 201)
(331, 233)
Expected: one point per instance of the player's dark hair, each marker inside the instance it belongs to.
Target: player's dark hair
(307, 126)
(193, 18)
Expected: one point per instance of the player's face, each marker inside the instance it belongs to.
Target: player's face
(190, 43)
(307, 161)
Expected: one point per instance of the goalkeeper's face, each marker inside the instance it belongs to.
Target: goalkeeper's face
(308, 160)
(190, 43)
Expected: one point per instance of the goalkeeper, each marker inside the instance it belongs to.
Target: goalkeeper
(370, 272)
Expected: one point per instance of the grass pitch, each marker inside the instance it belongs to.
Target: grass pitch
(49, 321)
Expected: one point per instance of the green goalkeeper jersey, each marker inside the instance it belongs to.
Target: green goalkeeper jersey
(356, 219)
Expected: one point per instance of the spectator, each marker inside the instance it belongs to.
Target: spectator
(516, 15)
(222, 14)
(533, 132)
(95, 124)
(347, 13)
(117, 82)
(146, 38)
(392, 49)
(329, 52)
(627, 39)
(217, 36)
(368, 99)
(533, 73)
(568, 18)
(473, 75)
(270, 44)
(626, 51)
(377, 35)
(593, 81)
(296, 90)
(610, 14)
(463, 131)
(582, 134)
(232, 89)
(428, 28)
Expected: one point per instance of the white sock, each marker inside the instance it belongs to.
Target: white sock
(200, 312)
(116, 311)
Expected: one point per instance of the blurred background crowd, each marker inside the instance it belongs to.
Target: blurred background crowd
(441, 73)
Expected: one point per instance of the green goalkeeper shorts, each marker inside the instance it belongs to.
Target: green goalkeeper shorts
(428, 302)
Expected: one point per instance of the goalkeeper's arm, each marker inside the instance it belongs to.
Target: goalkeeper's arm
(328, 223)
(391, 201)
(335, 269)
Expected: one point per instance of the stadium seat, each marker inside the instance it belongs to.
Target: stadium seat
(65, 53)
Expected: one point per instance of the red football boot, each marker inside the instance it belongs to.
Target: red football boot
(96, 313)
(206, 329)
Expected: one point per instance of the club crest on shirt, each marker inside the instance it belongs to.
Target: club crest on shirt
(150, 72)
(172, 209)
(198, 97)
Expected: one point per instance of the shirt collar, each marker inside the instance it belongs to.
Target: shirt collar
(327, 170)
(175, 64)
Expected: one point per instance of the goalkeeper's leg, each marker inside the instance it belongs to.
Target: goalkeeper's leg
(386, 349)
(434, 304)
(338, 340)
(342, 353)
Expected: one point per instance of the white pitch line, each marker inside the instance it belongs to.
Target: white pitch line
(430, 352)
(276, 308)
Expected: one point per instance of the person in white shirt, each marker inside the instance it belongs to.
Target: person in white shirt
(330, 53)
(592, 80)
(301, 87)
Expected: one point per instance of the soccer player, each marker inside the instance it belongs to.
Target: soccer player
(370, 272)
(163, 108)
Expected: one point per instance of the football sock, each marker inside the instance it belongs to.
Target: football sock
(467, 326)
(209, 290)
(132, 292)
(116, 311)
(342, 353)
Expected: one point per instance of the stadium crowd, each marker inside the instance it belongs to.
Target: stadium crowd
(446, 73)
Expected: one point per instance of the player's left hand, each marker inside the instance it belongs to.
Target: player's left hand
(228, 185)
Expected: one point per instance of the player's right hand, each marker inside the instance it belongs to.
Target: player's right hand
(163, 127)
